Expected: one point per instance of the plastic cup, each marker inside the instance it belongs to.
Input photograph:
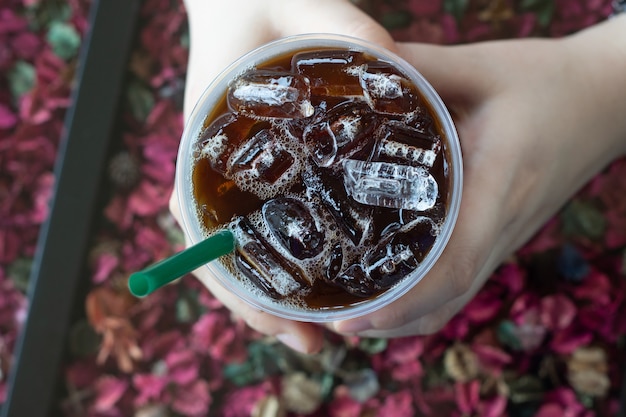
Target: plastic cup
(215, 94)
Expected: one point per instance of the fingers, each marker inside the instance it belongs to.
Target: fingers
(219, 34)
(457, 73)
(222, 33)
(327, 16)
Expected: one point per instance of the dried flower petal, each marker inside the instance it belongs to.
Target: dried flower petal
(64, 39)
(108, 392)
(587, 370)
(301, 394)
(362, 384)
(398, 404)
(149, 387)
(269, 407)
(192, 400)
(557, 312)
(461, 363)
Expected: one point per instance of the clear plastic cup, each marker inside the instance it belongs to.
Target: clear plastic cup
(215, 94)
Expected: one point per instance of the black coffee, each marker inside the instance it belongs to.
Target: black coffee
(332, 172)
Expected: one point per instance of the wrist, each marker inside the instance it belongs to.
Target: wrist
(600, 52)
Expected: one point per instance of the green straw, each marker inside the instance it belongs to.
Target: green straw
(155, 276)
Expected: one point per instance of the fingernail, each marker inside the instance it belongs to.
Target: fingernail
(353, 326)
(292, 341)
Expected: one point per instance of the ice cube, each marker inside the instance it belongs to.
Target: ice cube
(343, 131)
(386, 89)
(262, 157)
(257, 260)
(353, 219)
(400, 253)
(328, 72)
(401, 143)
(263, 269)
(355, 280)
(294, 227)
(218, 141)
(269, 94)
(334, 262)
(390, 185)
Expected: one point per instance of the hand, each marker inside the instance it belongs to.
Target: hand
(537, 119)
(220, 33)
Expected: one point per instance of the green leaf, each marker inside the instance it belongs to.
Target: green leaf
(21, 79)
(140, 99)
(506, 335)
(396, 20)
(64, 40)
(184, 39)
(260, 364)
(188, 309)
(583, 219)
(19, 272)
(456, 8)
(373, 345)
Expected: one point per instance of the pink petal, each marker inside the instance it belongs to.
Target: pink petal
(467, 396)
(148, 199)
(241, 402)
(149, 387)
(399, 404)
(8, 119)
(108, 392)
(345, 407)
(557, 311)
(549, 410)
(495, 407)
(193, 400)
(403, 350)
(491, 357)
(105, 264)
(567, 340)
(183, 366)
(408, 371)
(596, 288)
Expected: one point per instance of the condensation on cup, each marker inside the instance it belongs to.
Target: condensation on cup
(336, 166)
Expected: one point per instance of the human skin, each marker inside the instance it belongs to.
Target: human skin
(537, 118)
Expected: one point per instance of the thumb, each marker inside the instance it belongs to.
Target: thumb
(457, 73)
(328, 16)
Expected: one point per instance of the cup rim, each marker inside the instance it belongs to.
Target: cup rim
(215, 92)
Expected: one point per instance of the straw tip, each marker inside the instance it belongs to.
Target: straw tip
(139, 284)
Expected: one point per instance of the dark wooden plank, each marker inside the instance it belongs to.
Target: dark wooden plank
(65, 237)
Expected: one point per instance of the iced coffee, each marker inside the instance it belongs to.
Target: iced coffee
(333, 171)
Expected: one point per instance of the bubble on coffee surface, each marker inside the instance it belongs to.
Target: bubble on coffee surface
(268, 164)
(340, 189)
(214, 147)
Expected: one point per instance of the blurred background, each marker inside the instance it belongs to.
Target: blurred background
(545, 336)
